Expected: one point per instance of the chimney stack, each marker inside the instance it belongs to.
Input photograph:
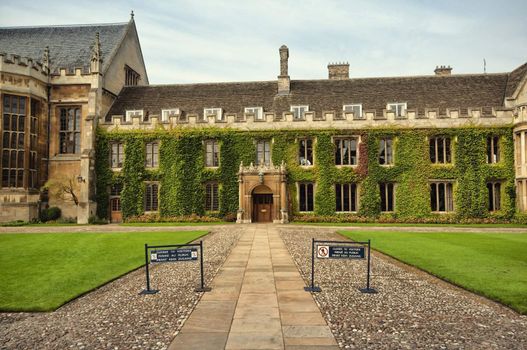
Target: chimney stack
(283, 79)
(338, 71)
(443, 70)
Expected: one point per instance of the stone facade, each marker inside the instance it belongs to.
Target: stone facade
(87, 79)
(98, 86)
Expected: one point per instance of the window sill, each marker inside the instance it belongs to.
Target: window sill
(346, 165)
(387, 165)
(212, 167)
(116, 169)
(443, 212)
(306, 166)
(66, 157)
(346, 212)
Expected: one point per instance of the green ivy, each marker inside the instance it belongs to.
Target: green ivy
(182, 173)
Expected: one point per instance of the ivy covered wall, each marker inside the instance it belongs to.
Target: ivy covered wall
(181, 171)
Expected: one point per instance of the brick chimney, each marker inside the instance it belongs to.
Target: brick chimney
(443, 70)
(284, 81)
(338, 71)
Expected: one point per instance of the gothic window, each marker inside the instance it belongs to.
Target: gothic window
(305, 196)
(117, 155)
(386, 152)
(33, 143)
(305, 152)
(211, 196)
(440, 150)
(346, 197)
(13, 140)
(152, 155)
(70, 125)
(212, 153)
(151, 196)
(263, 152)
(346, 151)
(493, 149)
(441, 199)
(131, 76)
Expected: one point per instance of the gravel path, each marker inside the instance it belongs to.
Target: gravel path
(115, 316)
(413, 310)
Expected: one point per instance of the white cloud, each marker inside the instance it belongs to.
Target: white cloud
(206, 40)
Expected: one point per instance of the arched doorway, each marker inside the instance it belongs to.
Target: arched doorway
(262, 200)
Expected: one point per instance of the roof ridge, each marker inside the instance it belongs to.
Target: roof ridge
(66, 25)
(210, 83)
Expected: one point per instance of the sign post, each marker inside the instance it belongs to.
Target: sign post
(336, 250)
(182, 252)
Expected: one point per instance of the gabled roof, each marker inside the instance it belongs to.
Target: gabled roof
(456, 91)
(69, 46)
(515, 78)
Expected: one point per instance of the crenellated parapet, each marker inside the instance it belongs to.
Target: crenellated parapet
(16, 64)
(413, 118)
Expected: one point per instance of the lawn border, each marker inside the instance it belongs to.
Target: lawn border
(443, 279)
(95, 288)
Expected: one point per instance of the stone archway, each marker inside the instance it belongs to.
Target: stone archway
(262, 194)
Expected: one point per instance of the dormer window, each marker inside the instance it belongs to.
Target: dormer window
(131, 77)
(257, 111)
(216, 112)
(399, 108)
(299, 112)
(356, 109)
(133, 113)
(167, 113)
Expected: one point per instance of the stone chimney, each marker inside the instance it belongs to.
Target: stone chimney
(284, 82)
(443, 70)
(338, 71)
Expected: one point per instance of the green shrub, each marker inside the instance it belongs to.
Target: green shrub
(50, 214)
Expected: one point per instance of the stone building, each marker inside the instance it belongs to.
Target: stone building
(417, 146)
(55, 84)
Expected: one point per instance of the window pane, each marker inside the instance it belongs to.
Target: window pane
(440, 150)
(383, 197)
(441, 196)
(353, 150)
(338, 147)
(309, 152)
(433, 197)
(338, 196)
(382, 160)
(309, 197)
(390, 197)
(497, 196)
(302, 197)
(447, 150)
(353, 197)
(389, 156)
(346, 197)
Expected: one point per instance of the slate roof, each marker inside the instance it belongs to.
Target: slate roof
(455, 91)
(515, 77)
(69, 46)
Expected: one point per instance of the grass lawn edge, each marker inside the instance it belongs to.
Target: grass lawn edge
(444, 279)
(52, 309)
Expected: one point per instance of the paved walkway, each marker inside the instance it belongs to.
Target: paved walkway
(257, 302)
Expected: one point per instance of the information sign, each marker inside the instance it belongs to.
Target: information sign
(170, 255)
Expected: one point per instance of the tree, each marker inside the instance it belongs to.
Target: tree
(63, 188)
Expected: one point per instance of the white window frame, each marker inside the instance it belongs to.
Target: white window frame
(218, 112)
(397, 105)
(133, 113)
(353, 105)
(167, 113)
(301, 115)
(257, 111)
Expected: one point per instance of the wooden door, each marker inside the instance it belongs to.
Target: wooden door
(115, 210)
(262, 207)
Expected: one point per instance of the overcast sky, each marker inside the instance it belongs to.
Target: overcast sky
(203, 41)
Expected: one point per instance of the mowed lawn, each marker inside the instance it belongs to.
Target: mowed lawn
(40, 272)
(491, 264)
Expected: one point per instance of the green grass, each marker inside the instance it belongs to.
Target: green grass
(366, 224)
(491, 264)
(40, 272)
(147, 224)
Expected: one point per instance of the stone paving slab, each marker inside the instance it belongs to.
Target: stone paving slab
(257, 302)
